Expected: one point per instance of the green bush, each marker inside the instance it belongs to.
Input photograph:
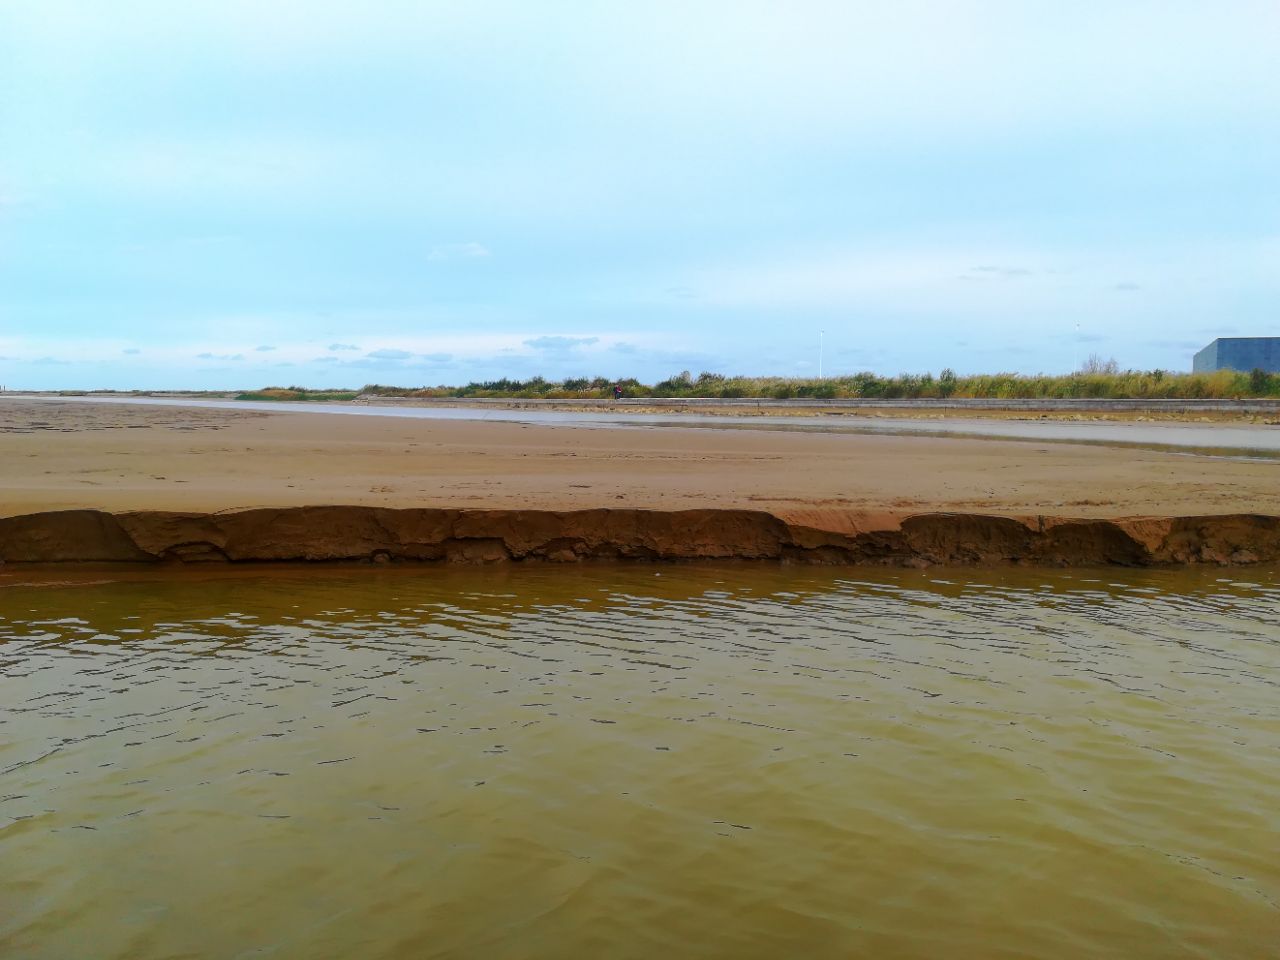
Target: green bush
(1099, 380)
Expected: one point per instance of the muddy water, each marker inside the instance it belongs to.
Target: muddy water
(641, 761)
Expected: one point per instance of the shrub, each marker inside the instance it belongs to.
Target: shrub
(1097, 379)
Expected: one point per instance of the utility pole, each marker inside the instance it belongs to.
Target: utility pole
(821, 333)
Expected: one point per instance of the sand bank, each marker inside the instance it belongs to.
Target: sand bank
(379, 535)
(145, 483)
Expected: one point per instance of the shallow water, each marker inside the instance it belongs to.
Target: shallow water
(638, 761)
(1210, 439)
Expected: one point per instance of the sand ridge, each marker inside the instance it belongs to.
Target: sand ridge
(122, 459)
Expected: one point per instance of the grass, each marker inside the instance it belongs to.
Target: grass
(1105, 383)
(297, 393)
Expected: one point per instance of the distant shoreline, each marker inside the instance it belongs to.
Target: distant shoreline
(1254, 410)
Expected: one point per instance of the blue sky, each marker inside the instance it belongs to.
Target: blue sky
(232, 194)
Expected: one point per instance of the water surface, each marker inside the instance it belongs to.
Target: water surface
(638, 761)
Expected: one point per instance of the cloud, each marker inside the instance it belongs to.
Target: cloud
(1008, 273)
(560, 343)
(458, 251)
(264, 348)
(326, 360)
(436, 357)
(131, 350)
(1126, 287)
(907, 278)
(681, 293)
(621, 347)
(219, 356)
(50, 361)
(343, 346)
(389, 355)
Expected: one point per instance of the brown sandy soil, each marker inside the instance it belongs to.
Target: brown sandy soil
(117, 457)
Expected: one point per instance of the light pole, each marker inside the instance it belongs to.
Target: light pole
(821, 333)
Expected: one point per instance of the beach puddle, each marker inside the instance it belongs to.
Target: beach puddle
(639, 760)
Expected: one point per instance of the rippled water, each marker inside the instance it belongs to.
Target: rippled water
(637, 761)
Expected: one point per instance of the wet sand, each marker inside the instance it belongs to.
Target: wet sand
(121, 458)
(1226, 436)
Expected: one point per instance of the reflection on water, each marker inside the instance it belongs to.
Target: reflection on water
(618, 761)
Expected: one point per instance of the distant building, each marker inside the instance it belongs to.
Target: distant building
(1239, 353)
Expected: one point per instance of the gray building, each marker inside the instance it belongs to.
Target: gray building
(1239, 353)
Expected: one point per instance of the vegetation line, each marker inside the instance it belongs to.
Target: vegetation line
(1101, 383)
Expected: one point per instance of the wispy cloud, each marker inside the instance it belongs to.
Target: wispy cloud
(681, 292)
(387, 354)
(343, 346)
(264, 348)
(560, 343)
(219, 356)
(995, 287)
(1004, 272)
(132, 351)
(458, 251)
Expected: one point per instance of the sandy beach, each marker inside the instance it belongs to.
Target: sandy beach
(66, 455)
(119, 458)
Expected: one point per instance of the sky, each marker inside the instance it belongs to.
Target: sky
(245, 193)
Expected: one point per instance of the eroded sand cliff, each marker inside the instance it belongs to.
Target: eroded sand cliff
(358, 533)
